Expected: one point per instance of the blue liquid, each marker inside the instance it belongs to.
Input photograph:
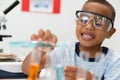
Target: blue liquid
(60, 72)
(33, 44)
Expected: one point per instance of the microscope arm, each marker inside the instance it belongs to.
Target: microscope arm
(4, 36)
(3, 13)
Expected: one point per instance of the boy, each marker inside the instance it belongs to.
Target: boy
(94, 23)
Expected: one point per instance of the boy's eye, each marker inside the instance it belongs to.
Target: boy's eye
(98, 24)
(83, 19)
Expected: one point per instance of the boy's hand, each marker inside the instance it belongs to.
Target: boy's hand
(77, 73)
(45, 36)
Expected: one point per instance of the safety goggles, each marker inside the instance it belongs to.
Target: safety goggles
(99, 21)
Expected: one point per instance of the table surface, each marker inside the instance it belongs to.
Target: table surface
(11, 66)
(11, 70)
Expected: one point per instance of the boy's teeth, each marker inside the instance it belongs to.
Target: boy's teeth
(87, 37)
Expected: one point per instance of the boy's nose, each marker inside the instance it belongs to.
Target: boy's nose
(90, 25)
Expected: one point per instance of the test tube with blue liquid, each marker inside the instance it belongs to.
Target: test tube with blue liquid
(34, 44)
(57, 62)
(60, 64)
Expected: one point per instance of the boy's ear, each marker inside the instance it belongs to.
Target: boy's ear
(111, 32)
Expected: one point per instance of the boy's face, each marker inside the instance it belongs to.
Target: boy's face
(94, 32)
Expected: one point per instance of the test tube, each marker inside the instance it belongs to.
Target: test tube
(56, 64)
(61, 60)
(60, 72)
(82, 70)
(35, 64)
(99, 66)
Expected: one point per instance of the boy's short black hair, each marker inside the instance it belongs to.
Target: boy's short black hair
(106, 3)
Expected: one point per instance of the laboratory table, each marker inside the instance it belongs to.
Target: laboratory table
(11, 70)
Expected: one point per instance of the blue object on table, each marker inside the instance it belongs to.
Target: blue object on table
(33, 44)
(11, 75)
(29, 44)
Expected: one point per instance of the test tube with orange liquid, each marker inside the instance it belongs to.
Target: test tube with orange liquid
(34, 65)
(34, 70)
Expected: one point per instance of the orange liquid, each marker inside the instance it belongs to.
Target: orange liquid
(34, 70)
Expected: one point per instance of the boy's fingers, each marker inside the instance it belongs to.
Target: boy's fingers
(71, 68)
(41, 33)
(48, 35)
(54, 39)
(34, 37)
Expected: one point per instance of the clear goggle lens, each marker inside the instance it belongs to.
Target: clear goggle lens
(99, 21)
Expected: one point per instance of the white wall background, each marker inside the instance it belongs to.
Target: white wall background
(22, 24)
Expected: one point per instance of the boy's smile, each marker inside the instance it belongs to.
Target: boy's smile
(87, 36)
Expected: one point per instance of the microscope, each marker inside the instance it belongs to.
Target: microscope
(3, 20)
